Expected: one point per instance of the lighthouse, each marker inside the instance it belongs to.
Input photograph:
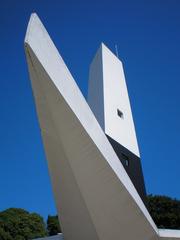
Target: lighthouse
(108, 99)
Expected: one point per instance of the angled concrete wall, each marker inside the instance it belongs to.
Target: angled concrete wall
(95, 197)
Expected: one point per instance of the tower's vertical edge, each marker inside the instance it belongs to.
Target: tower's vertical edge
(95, 88)
(109, 100)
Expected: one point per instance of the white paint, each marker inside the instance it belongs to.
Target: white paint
(95, 197)
(56, 237)
(169, 234)
(95, 88)
(108, 93)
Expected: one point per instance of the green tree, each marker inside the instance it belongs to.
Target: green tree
(5, 235)
(21, 225)
(53, 225)
(165, 211)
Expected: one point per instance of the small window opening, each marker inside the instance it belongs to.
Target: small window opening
(126, 159)
(120, 114)
(127, 162)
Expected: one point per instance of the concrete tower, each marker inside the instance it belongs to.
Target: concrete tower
(109, 100)
(95, 197)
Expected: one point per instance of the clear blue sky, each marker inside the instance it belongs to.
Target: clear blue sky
(147, 34)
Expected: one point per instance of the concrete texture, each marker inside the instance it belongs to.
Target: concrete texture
(94, 195)
(108, 99)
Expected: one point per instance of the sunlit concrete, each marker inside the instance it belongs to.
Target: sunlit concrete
(108, 92)
(94, 196)
(109, 100)
(56, 237)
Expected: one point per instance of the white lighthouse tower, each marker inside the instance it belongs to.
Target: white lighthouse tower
(109, 101)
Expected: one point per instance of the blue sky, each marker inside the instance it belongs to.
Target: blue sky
(147, 34)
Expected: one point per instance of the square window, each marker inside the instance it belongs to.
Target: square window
(120, 114)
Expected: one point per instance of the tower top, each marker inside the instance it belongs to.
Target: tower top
(109, 100)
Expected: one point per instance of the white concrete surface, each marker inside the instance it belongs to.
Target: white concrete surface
(56, 237)
(169, 234)
(94, 196)
(107, 94)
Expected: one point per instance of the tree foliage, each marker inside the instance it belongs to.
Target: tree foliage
(53, 225)
(5, 235)
(165, 211)
(18, 224)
